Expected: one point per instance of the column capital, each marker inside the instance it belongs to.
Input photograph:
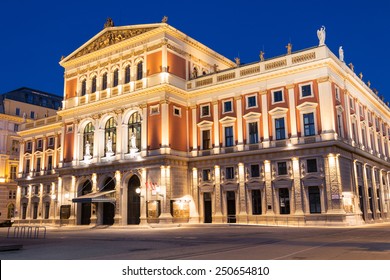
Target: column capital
(323, 79)
(290, 86)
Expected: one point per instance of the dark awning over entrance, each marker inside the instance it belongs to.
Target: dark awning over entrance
(107, 196)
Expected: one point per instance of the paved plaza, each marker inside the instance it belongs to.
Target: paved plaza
(198, 242)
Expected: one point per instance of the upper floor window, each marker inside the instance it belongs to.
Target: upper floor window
(140, 70)
(29, 146)
(110, 136)
(280, 131)
(282, 168)
(17, 112)
(228, 136)
(134, 131)
(206, 141)
(115, 81)
(311, 165)
(104, 81)
(306, 91)
(351, 103)
(337, 94)
(16, 127)
(229, 173)
(277, 96)
(13, 172)
(49, 162)
(51, 142)
(206, 175)
(176, 111)
(93, 85)
(32, 115)
(255, 170)
(39, 144)
(309, 125)
(88, 139)
(227, 106)
(253, 132)
(83, 87)
(205, 110)
(127, 74)
(251, 101)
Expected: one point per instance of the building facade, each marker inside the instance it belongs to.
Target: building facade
(158, 128)
(18, 107)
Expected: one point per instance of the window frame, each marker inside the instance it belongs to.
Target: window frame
(201, 110)
(273, 92)
(224, 102)
(248, 97)
(310, 84)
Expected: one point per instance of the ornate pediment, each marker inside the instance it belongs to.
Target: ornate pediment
(110, 37)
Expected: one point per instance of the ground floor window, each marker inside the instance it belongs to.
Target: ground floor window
(314, 200)
(24, 211)
(284, 201)
(47, 210)
(35, 211)
(256, 202)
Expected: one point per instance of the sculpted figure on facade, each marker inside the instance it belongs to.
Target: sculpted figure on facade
(87, 149)
(132, 141)
(109, 145)
(321, 36)
(289, 48)
(261, 56)
(341, 53)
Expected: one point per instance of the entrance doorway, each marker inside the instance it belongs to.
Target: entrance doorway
(207, 208)
(284, 200)
(133, 201)
(108, 207)
(231, 206)
(85, 207)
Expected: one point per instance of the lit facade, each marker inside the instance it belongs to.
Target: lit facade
(158, 128)
(18, 107)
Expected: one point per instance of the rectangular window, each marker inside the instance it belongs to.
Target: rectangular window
(28, 146)
(39, 144)
(49, 162)
(38, 165)
(229, 173)
(69, 128)
(17, 112)
(278, 96)
(205, 110)
(32, 115)
(127, 74)
(93, 85)
(176, 111)
(306, 91)
(154, 110)
(206, 139)
(83, 88)
(311, 165)
(13, 172)
(206, 174)
(255, 170)
(337, 93)
(282, 168)
(229, 136)
(51, 142)
(256, 202)
(227, 106)
(116, 78)
(251, 101)
(280, 132)
(16, 127)
(308, 123)
(340, 125)
(27, 166)
(284, 201)
(351, 103)
(11, 194)
(253, 133)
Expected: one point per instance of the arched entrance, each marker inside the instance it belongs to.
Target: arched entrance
(108, 207)
(133, 201)
(85, 207)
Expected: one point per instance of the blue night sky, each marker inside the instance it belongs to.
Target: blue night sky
(35, 34)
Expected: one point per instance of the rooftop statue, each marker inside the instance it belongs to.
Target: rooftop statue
(321, 36)
(164, 19)
(341, 53)
(109, 23)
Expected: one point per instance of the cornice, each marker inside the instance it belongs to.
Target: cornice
(40, 129)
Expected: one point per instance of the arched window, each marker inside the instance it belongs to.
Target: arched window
(88, 136)
(139, 70)
(115, 78)
(104, 81)
(93, 85)
(134, 128)
(127, 74)
(110, 135)
(83, 87)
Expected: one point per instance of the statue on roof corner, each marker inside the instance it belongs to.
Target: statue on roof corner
(109, 23)
(164, 19)
(321, 36)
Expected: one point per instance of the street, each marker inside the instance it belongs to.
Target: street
(203, 242)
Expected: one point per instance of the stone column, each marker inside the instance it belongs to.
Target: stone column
(165, 141)
(195, 196)
(297, 188)
(268, 188)
(332, 179)
(356, 190)
(118, 216)
(144, 130)
(218, 216)
(376, 213)
(240, 133)
(264, 110)
(292, 111)
(216, 127)
(382, 195)
(165, 216)
(120, 149)
(194, 131)
(76, 142)
(327, 116)
(368, 214)
(242, 214)
(94, 205)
